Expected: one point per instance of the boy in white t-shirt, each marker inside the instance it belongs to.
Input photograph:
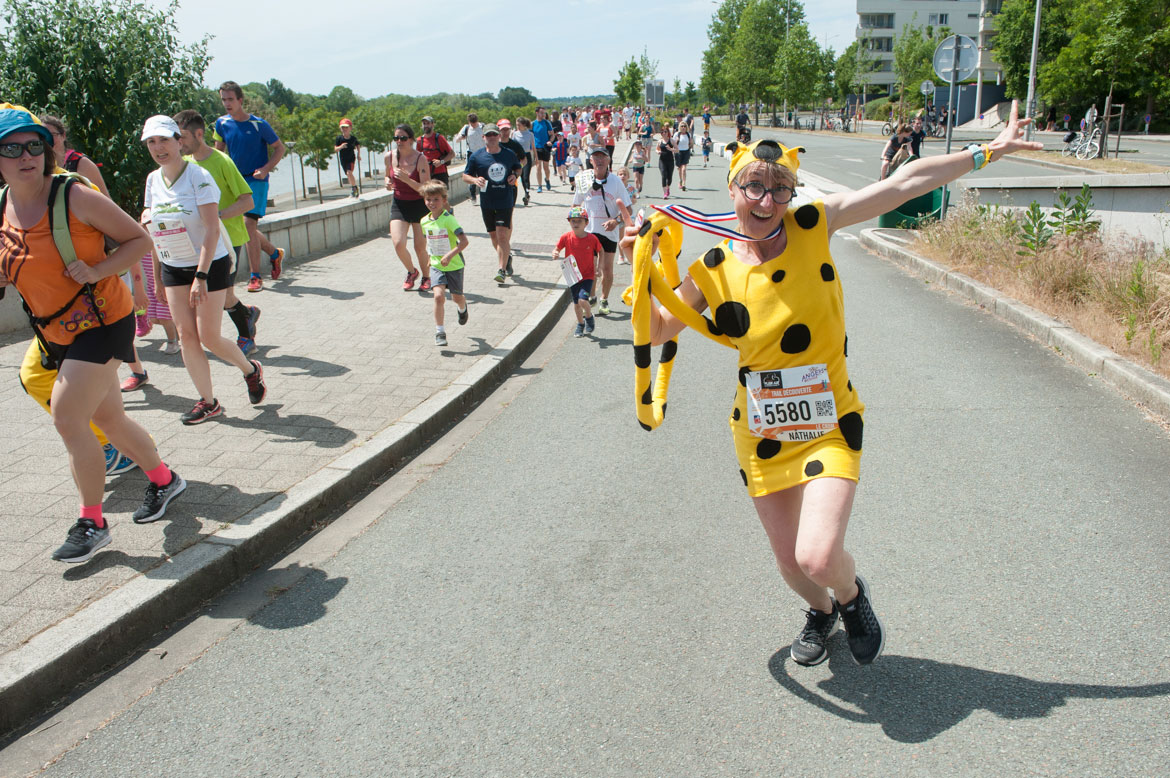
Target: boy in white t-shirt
(573, 165)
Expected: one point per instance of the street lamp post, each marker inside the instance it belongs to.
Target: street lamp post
(1031, 105)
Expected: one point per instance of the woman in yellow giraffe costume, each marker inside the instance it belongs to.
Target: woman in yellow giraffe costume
(775, 296)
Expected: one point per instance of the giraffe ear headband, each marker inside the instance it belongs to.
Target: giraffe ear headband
(660, 279)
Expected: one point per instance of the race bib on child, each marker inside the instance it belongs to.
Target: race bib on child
(571, 271)
(172, 243)
(792, 404)
(438, 243)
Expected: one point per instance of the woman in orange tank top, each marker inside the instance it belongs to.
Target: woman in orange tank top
(84, 316)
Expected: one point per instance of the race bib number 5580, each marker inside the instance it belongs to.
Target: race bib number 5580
(793, 404)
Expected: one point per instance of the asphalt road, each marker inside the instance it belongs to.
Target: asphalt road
(565, 594)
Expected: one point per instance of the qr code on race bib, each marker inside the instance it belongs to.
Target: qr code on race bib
(824, 407)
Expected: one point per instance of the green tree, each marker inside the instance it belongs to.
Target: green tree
(311, 132)
(914, 61)
(104, 66)
(649, 66)
(279, 95)
(515, 95)
(797, 68)
(628, 86)
(750, 67)
(721, 38)
(342, 100)
(690, 95)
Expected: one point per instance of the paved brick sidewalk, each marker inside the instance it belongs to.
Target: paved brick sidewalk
(346, 353)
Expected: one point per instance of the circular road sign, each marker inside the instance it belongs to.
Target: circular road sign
(944, 58)
(927, 88)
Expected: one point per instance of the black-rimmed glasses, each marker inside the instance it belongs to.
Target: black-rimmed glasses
(35, 148)
(755, 191)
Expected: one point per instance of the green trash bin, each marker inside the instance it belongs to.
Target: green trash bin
(911, 213)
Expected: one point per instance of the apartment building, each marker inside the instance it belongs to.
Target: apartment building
(879, 22)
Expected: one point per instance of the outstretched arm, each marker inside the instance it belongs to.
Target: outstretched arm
(846, 208)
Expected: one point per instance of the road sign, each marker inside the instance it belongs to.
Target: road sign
(655, 93)
(927, 88)
(944, 58)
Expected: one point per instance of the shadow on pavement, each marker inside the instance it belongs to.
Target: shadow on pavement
(915, 700)
(478, 299)
(300, 290)
(294, 427)
(481, 347)
(309, 367)
(314, 588)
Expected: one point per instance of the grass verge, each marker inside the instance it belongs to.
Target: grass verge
(1115, 290)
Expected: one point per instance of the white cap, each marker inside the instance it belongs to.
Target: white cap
(160, 126)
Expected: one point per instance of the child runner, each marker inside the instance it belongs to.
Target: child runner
(445, 245)
(707, 146)
(581, 251)
(573, 165)
(560, 154)
(626, 253)
(638, 164)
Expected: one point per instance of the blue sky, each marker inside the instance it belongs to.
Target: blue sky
(558, 48)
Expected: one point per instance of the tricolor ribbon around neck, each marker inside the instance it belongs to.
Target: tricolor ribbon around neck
(708, 222)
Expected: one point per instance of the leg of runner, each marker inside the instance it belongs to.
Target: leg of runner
(503, 245)
(398, 231)
(420, 251)
(606, 273)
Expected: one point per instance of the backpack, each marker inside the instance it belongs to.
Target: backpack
(63, 240)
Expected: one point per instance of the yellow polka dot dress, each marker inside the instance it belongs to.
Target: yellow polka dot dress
(786, 313)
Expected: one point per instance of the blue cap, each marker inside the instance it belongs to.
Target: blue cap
(17, 118)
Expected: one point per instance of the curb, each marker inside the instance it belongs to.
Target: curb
(1145, 386)
(56, 661)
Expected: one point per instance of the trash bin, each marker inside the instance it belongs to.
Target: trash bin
(910, 214)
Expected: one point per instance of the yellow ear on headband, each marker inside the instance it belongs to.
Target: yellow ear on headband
(765, 150)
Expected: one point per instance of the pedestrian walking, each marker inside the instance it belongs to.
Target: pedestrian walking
(666, 161)
(494, 170)
(605, 202)
(82, 315)
(446, 243)
(542, 131)
(472, 134)
(581, 250)
(797, 420)
(436, 149)
(256, 150)
(406, 171)
(346, 147)
(235, 200)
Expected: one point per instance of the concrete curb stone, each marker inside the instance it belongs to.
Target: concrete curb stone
(1134, 380)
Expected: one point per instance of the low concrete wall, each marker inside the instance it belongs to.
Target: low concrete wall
(1135, 204)
(325, 226)
(314, 228)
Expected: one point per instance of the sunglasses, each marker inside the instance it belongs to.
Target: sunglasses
(35, 148)
(401, 138)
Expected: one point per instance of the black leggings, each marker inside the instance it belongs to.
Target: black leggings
(667, 173)
(526, 173)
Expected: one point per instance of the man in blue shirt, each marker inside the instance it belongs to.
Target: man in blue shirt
(542, 134)
(246, 138)
(493, 170)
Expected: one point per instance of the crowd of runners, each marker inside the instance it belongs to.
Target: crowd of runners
(202, 210)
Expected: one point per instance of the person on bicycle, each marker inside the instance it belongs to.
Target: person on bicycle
(898, 139)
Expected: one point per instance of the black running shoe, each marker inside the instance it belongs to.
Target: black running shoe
(462, 316)
(809, 647)
(862, 626)
(83, 542)
(255, 381)
(202, 411)
(157, 499)
(508, 267)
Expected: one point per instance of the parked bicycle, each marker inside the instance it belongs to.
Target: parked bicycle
(1083, 144)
